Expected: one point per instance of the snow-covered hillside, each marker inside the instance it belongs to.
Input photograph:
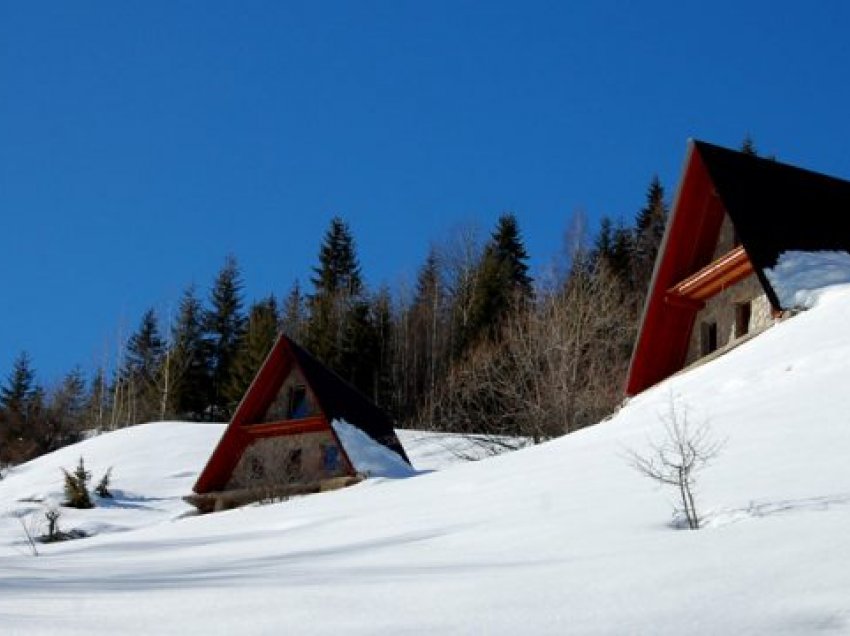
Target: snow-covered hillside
(560, 538)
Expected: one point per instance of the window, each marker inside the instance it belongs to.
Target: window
(297, 405)
(293, 463)
(330, 458)
(743, 311)
(708, 337)
(257, 470)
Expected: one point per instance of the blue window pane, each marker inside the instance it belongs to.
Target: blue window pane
(330, 457)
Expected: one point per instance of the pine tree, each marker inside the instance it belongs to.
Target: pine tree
(603, 246)
(510, 251)
(76, 487)
(19, 391)
(338, 269)
(97, 400)
(68, 405)
(260, 335)
(502, 283)
(224, 326)
(293, 314)
(336, 314)
(748, 146)
(649, 231)
(192, 381)
(21, 401)
(427, 325)
(382, 327)
(145, 350)
(143, 359)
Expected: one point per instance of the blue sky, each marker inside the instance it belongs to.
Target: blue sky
(141, 142)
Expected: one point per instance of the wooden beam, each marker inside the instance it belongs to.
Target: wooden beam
(718, 275)
(286, 427)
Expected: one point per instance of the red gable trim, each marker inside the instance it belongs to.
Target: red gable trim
(688, 245)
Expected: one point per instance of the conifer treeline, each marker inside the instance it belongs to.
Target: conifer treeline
(476, 345)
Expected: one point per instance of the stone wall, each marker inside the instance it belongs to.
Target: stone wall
(721, 309)
(272, 461)
(726, 238)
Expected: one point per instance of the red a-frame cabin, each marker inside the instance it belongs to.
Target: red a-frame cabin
(281, 440)
(734, 215)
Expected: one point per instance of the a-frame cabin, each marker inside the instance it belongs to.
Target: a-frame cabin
(281, 440)
(734, 215)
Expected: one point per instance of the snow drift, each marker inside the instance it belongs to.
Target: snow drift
(561, 538)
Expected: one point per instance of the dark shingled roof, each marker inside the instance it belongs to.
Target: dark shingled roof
(341, 401)
(777, 208)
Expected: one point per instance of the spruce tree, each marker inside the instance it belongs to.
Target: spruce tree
(17, 394)
(76, 487)
(748, 146)
(293, 317)
(144, 356)
(502, 283)
(260, 335)
(224, 327)
(338, 270)
(192, 381)
(67, 405)
(97, 400)
(603, 245)
(336, 312)
(649, 231)
(426, 326)
(382, 328)
(145, 350)
(509, 249)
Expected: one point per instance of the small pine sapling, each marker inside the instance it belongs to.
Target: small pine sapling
(102, 488)
(76, 487)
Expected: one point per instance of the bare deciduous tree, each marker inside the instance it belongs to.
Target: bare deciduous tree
(675, 460)
(556, 367)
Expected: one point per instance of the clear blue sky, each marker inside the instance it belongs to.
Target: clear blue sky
(141, 142)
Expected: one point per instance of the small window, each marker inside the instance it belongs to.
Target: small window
(708, 337)
(298, 406)
(330, 458)
(743, 311)
(293, 463)
(257, 469)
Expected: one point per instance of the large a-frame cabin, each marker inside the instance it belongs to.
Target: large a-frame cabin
(281, 439)
(734, 215)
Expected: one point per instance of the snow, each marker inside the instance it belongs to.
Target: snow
(368, 456)
(558, 538)
(798, 278)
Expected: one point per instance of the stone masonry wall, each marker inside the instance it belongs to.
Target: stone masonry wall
(267, 461)
(721, 309)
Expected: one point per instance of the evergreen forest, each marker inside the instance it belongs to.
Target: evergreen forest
(474, 345)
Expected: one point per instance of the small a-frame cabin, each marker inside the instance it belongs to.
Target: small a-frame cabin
(734, 215)
(281, 440)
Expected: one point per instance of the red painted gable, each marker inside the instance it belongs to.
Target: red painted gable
(688, 245)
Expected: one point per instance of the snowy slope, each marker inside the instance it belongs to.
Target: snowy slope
(556, 539)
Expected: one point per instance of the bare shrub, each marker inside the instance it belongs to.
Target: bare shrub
(556, 367)
(675, 460)
(52, 515)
